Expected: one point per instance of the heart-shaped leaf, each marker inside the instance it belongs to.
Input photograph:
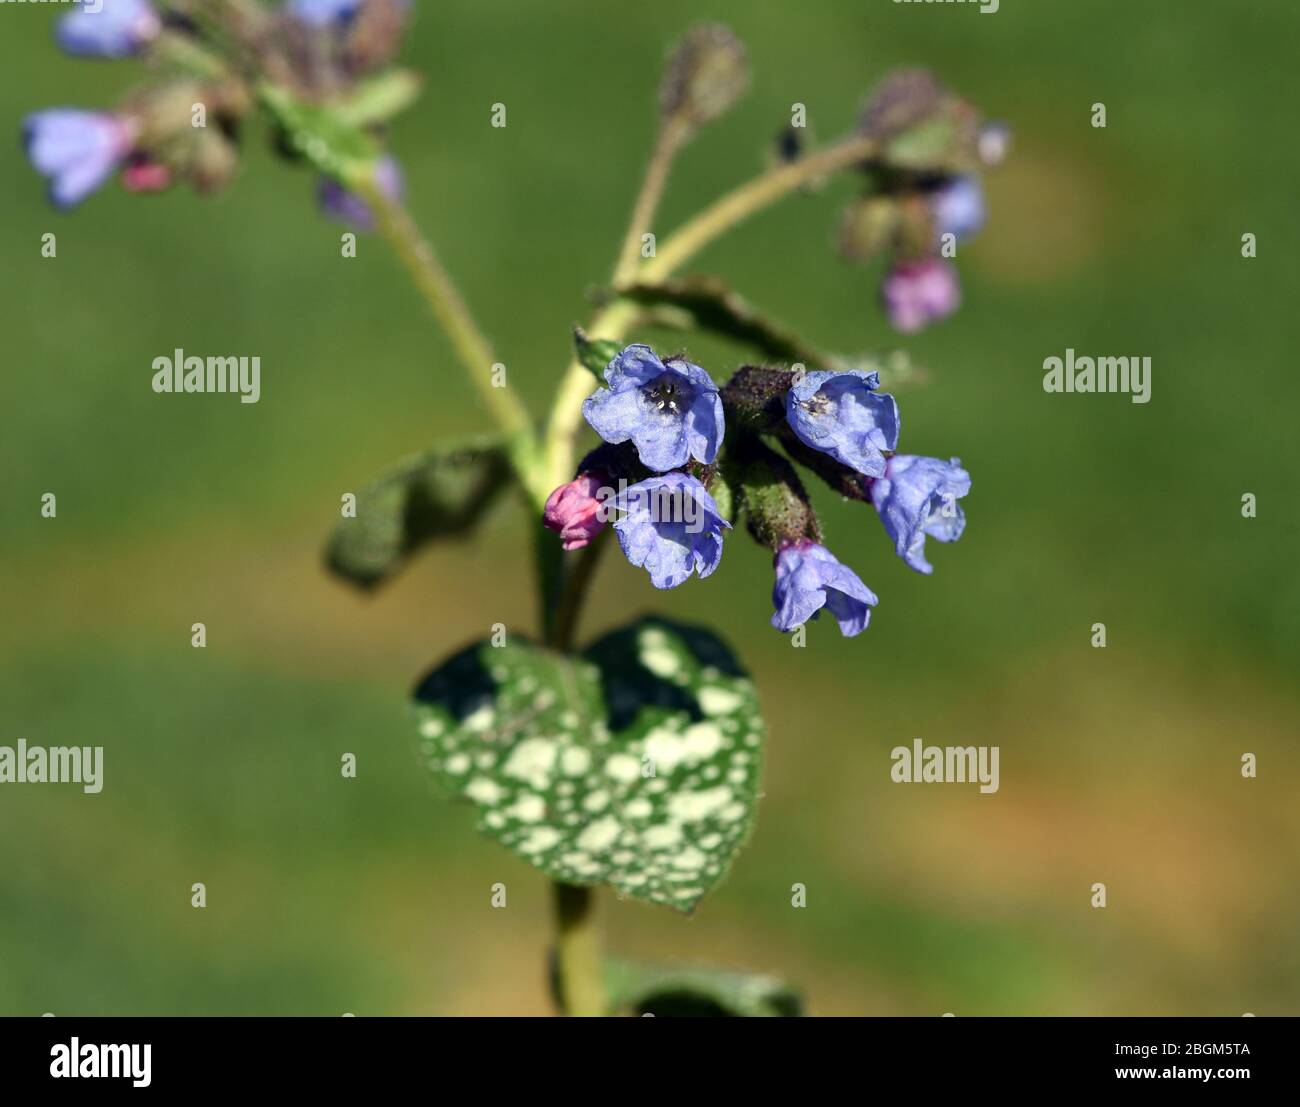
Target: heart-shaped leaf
(635, 764)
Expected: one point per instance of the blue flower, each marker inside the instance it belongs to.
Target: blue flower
(670, 526)
(843, 415)
(323, 13)
(76, 150)
(958, 208)
(916, 497)
(113, 29)
(670, 410)
(808, 578)
(347, 207)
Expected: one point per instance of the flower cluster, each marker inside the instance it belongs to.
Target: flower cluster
(663, 422)
(184, 127)
(671, 413)
(924, 194)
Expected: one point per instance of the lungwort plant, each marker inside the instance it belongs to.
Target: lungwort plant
(635, 760)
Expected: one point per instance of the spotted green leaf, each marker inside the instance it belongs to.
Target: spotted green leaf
(682, 991)
(634, 764)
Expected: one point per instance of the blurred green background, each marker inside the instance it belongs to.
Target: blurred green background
(324, 895)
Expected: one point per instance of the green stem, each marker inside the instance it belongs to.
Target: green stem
(579, 972)
(671, 136)
(577, 577)
(612, 322)
(739, 204)
(440, 293)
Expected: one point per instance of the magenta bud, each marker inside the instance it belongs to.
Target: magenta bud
(143, 175)
(574, 512)
(918, 293)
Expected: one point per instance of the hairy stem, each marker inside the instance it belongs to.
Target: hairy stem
(440, 293)
(577, 577)
(579, 974)
(611, 322)
(739, 204)
(579, 969)
(671, 136)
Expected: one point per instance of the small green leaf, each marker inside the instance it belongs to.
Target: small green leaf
(922, 146)
(869, 227)
(377, 99)
(943, 143)
(436, 495)
(634, 764)
(595, 353)
(667, 991)
(321, 135)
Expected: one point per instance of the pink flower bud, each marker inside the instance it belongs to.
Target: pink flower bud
(917, 293)
(574, 512)
(146, 176)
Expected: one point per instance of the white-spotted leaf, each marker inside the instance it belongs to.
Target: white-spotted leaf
(634, 764)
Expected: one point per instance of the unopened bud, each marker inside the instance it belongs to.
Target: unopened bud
(900, 101)
(164, 111)
(215, 161)
(869, 227)
(775, 504)
(914, 228)
(595, 353)
(921, 126)
(141, 174)
(754, 398)
(375, 33)
(707, 73)
(574, 510)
